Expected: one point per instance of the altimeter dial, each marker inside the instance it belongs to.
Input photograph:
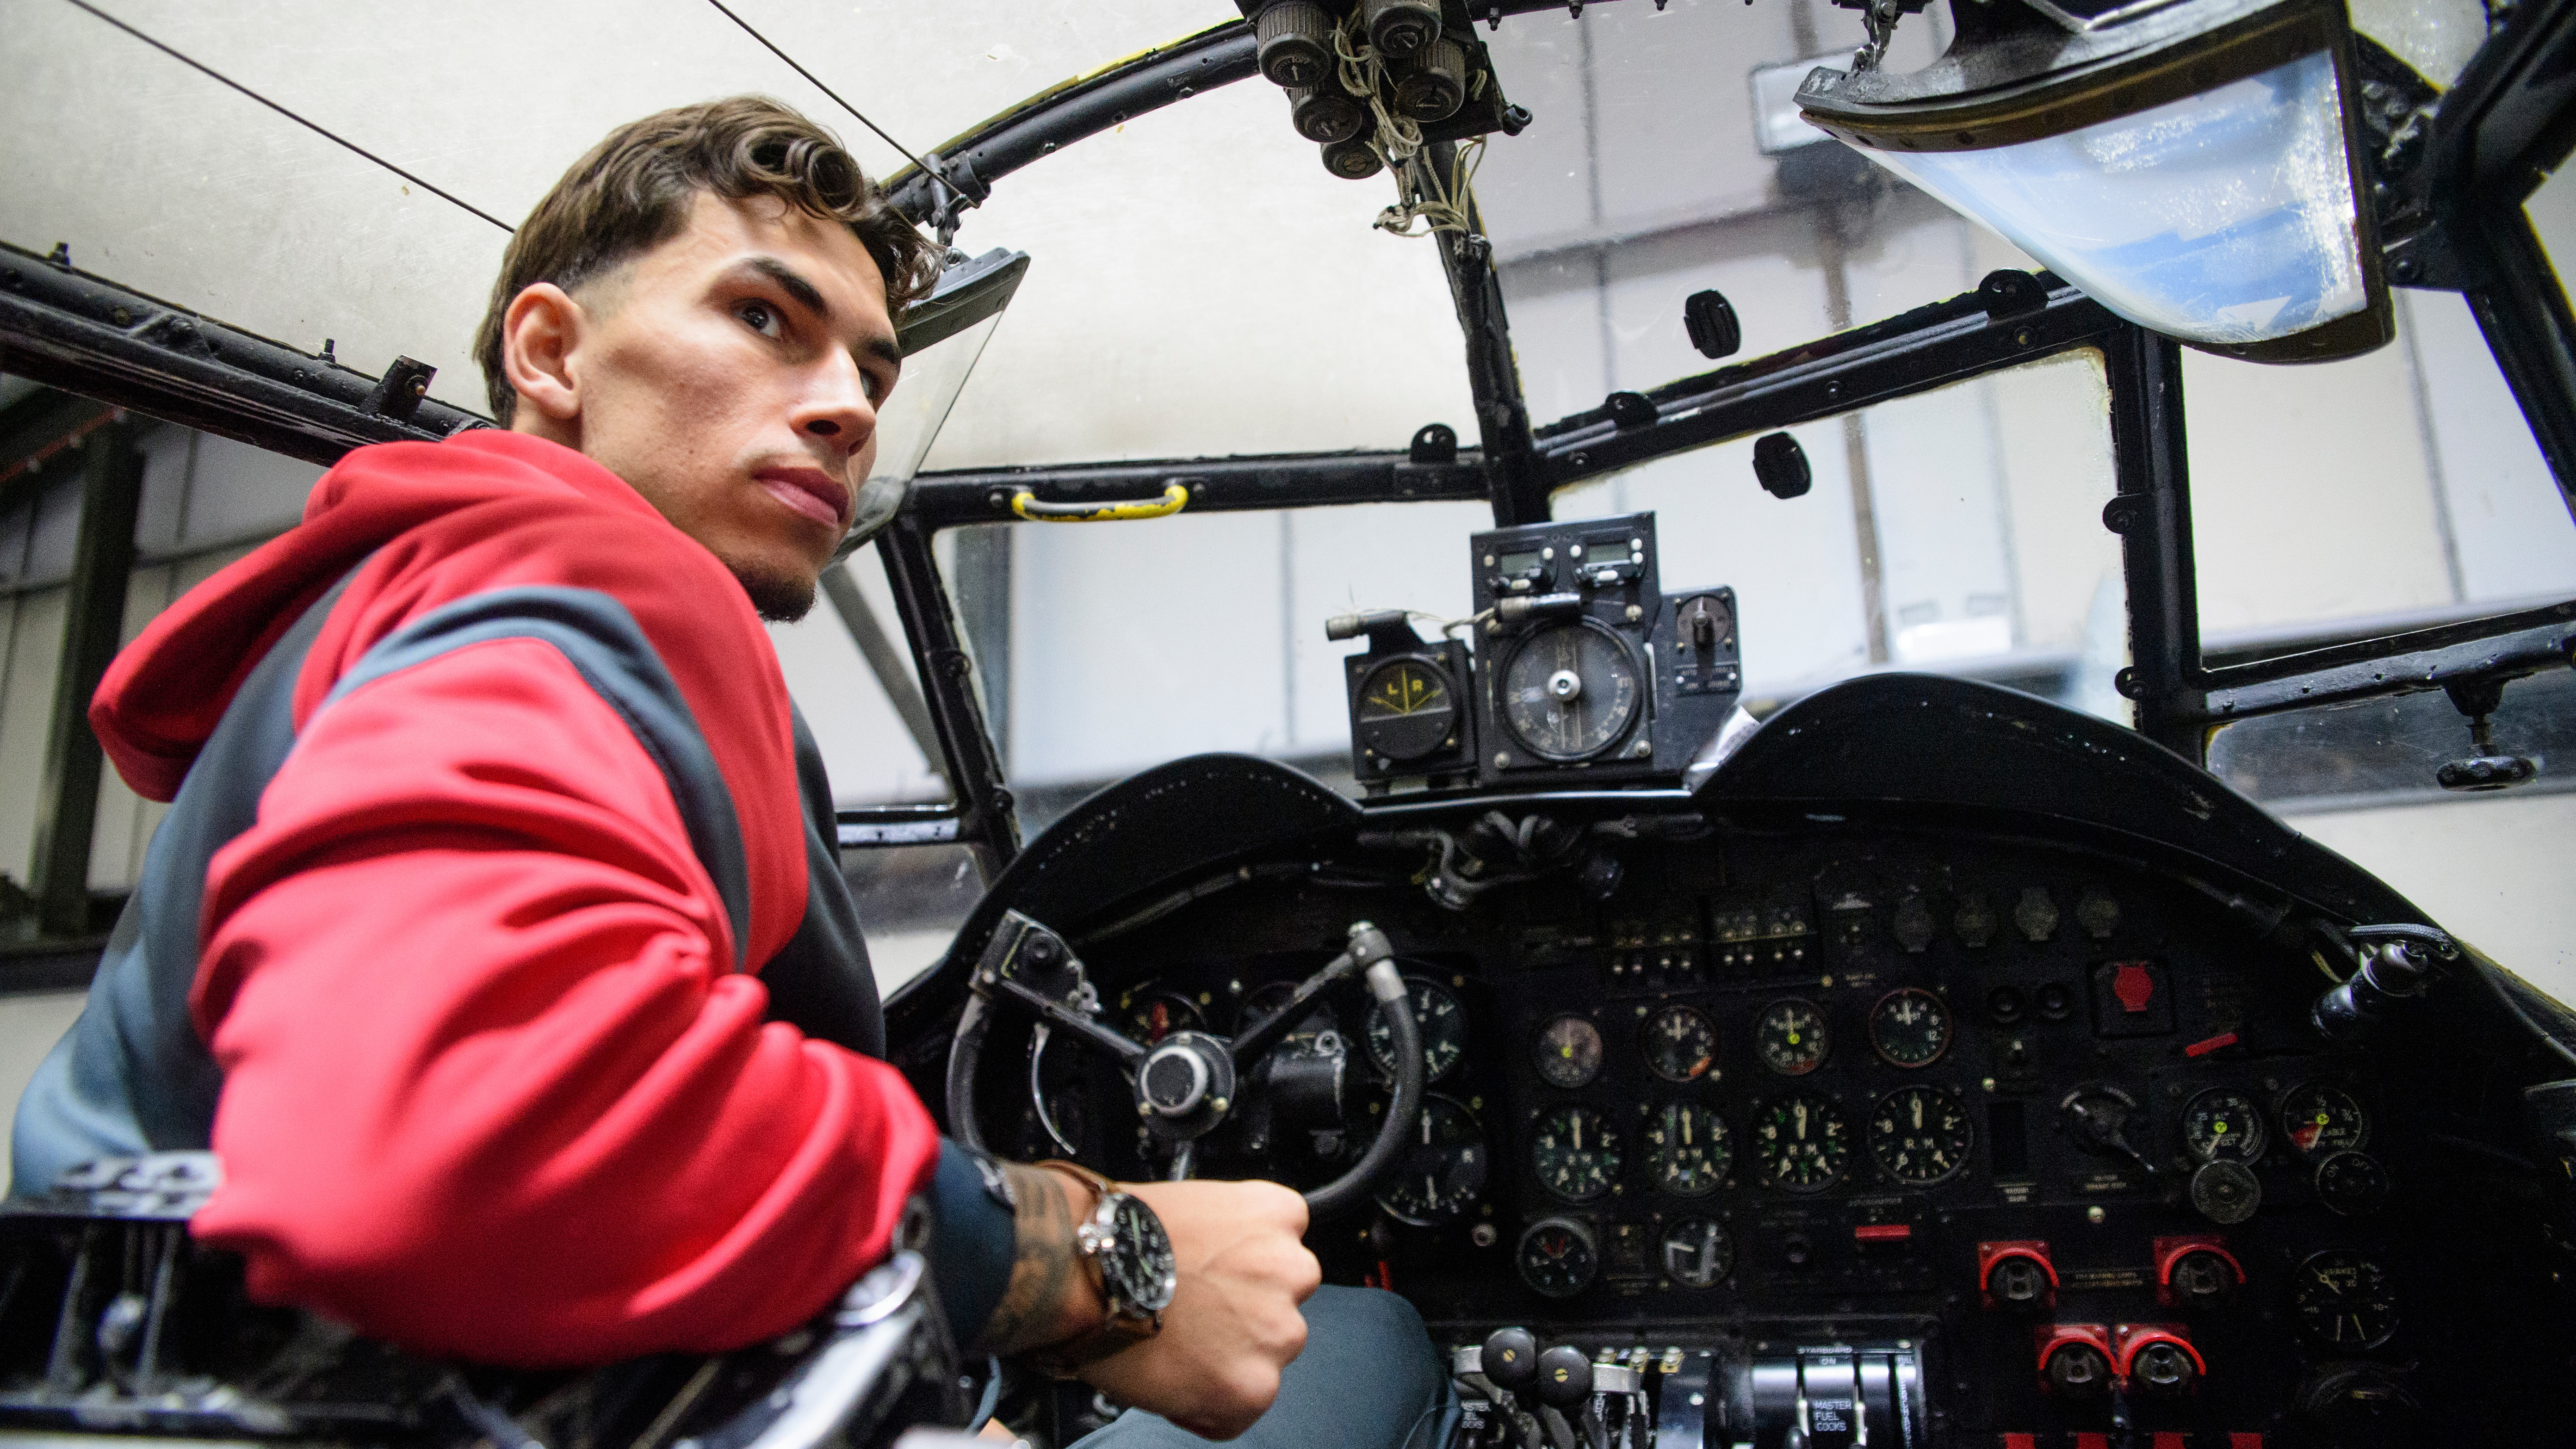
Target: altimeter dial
(1920, 1135)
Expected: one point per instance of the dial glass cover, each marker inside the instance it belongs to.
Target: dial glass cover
(1909, 1027)
(1697, 1253)
(1801, 1143)
(1575, 1154)
(1681, 1044)
(1686, 1146)
(1406, 708)
(2223, 1125)
(1920, 1135)
(1436, 1015)
(1556, 1258)
(1569, 691)
(2319, 1119)
(2343, 1300)
(1140, 1264)
(1568, 1052)
(1791, 1037)
(1442, 1172)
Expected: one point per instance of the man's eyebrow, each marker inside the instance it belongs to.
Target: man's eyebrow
(881, 346)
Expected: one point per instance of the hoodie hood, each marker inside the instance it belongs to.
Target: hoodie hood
(165, 693)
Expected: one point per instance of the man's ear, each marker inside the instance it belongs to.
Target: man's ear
(538, 336)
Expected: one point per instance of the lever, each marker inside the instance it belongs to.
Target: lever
(1509, 1361)
(1565, 1384)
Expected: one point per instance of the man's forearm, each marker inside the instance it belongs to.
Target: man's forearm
(1050, 1297)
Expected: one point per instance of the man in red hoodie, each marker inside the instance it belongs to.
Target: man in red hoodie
(495, 938)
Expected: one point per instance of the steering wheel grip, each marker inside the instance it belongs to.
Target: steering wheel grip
(1386, 985)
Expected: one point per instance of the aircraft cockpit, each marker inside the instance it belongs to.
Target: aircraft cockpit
(1851, 725)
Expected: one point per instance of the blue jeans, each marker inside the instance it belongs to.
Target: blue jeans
(1369, 1379)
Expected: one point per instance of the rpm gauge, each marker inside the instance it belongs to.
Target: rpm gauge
(1801, 1143)
(1443, 1168)
(1920, 1135)
(1575, 1154)
(2223, 1125)
(2320, 1120)
(1405, 708)
(1436, 1016)
(1909, 1027)
(1568, 1052)
(1791, 1037)
(1687, 1148)
(1569, 691)
(2343, 1300)
(1681, 1045)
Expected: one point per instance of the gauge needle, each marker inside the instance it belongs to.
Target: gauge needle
(1686, 1130)
(1578, 1134)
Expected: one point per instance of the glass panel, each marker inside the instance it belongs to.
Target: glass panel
(2552, 210)
(870, 751)
(2436, 37)
(2226, 217)
(2394, 487)
(911, 900)
(1653, 171)
(1200, 285)
(1985, 501)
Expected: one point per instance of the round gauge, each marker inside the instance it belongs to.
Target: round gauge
(1920, 1135)
(2352, 1183)
(2343, 1300)
(1801, 1143)
(1791, 1037)
(2223, 1125)
(1568, 1052)
(1556, 1257)
(1436, 1016)
(1686, 1145)
(1405, 708)
(1681, 1045)
(1442, 1171)
(1569, 691)
(2226, 1193)
(2319, 1119)
(1909, 1027)
(1154, 1015)
(1697, 1253)
(1575, 1154)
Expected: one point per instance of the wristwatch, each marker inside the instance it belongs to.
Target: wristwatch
(1124, 1248)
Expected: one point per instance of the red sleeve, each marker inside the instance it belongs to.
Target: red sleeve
(490, 1088)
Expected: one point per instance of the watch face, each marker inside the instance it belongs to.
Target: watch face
(1139, 1270)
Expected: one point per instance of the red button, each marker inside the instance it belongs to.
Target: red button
(1883, 1232)
(2021, 1441)
(2134, 984)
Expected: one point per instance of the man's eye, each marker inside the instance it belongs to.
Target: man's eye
(759, 317)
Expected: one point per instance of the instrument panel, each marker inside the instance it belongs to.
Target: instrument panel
(2054, 1123)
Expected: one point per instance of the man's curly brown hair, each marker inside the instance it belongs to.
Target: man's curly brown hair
(634, 190)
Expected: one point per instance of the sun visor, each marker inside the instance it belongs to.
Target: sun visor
(943, 335)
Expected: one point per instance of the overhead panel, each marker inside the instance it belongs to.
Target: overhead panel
(167, 180)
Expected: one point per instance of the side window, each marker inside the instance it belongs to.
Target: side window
(2552, 210)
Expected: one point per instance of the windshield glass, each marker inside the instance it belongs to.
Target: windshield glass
(1666, 158)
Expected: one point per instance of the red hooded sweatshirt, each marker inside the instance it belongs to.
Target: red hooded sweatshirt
(495, 1078)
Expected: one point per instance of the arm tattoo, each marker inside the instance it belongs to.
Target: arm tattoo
(1044, 1283)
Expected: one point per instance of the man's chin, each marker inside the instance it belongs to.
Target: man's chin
(779, 597)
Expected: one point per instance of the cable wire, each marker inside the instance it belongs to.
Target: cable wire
(817, 83)
(338, 140)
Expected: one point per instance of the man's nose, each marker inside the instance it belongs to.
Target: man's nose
(835, 407)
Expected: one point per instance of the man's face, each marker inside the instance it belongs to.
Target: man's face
(732, 376)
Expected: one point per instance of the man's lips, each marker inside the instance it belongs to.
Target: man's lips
(810, 491)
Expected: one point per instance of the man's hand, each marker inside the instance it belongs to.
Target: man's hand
(1233, 1324)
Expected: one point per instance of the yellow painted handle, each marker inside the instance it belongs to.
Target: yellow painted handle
(1026, 505)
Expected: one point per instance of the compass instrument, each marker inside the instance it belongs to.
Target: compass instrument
(1557, 1258)
(2320, 1120)
(2223, 1125)
(1801, 1143)
(1568, 1052)
(2342, 1299)
(1687, 1149)
(1569, 690)
(1697, 1253)
(1681, 1044)
(1442, 1172)
(1574, 1153)
(1437, 1015)
(1920, 1135)
(1909, 1027)
(1791, 1038)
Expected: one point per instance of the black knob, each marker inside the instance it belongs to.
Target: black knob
(1511, 1358)
(2017, 1280)
(1797, 1250)
(1564, 1377)
(2079, 1371)
(2202, 1279)
(2163, 1368)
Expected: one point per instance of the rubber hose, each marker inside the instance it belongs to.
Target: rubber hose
(1352, 1187)
(965, 1050)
